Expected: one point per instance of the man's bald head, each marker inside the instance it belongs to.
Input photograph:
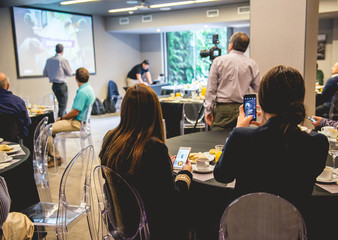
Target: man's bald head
(335, 68)
(4, 81)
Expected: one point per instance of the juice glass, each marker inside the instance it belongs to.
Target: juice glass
(218, 152)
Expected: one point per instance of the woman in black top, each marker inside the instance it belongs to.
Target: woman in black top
(277, 157)
(137, 151)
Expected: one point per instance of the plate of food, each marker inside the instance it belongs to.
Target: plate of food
(7, 159)
(193, 156)
(9, 149)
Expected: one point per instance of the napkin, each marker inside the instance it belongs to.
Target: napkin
(7, 164)
(203, 176)
(331, 188)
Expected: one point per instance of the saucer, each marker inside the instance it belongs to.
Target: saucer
(325, 180)
(207, 170)
(9, 158)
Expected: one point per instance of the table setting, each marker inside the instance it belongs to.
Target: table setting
(34, 109)
(9, 154)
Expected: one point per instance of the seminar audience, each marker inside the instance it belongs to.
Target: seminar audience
(12, 107)
(72, 120)
(278, 157)
(136, 150)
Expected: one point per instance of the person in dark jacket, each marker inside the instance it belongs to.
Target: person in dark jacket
(136, 150)
(279, 158)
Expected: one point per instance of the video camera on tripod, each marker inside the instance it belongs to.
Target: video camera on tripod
(213, 52)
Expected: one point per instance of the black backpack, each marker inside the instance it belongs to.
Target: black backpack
(109, 105)
(98, 107)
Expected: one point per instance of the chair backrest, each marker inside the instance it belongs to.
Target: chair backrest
(38, 129)
(122, 210)
(40, 161)
(75, 192)
(113, 91)
(191, 111)
(85, 122)
(10, 128)
(51, 101)
(262, 216)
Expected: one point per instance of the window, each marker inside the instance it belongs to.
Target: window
(184, 62)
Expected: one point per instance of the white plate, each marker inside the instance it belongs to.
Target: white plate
(208, 170)
(9, 158)
(209, 156)
(324, 180)
(1, 139)
(17, 148)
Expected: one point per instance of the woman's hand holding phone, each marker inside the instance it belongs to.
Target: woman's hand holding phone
(187, 166)
(243, 121)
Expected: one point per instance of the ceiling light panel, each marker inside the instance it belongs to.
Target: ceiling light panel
(122, 10)
(76, 2)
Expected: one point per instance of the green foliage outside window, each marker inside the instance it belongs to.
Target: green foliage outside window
(184, 61)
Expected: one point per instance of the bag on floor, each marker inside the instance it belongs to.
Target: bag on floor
(98, 107)
(109, 105)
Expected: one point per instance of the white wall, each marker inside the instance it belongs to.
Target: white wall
(115, 53)
(151, 49)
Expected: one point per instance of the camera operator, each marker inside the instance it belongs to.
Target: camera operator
(230, 78)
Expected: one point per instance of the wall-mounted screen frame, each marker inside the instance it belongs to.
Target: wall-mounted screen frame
(37, 31)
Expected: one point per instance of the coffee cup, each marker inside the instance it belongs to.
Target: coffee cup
(202, 163)
(3, 156)
(333, 133)
(326, 130)
(326, 174)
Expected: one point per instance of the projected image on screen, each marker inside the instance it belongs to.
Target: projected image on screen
(38, 31)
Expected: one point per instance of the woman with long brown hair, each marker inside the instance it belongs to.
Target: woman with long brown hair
(136, 150)
(279, 158)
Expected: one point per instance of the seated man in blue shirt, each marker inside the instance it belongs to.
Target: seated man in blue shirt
(13, 107)
(72, 120)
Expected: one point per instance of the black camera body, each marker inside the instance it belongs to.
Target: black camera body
(212, 52)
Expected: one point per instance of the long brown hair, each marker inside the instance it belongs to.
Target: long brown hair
(141, 121)
(282, 92)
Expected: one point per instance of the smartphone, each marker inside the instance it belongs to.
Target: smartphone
(249, 105)
(181, 157)
(311, 119)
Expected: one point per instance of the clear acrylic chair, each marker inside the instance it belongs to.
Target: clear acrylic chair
(83, 135)
(122, 211)
(262, 216)
(75, 200)
(192, 115)
(51, 101)
(40, 161)
(38, 129)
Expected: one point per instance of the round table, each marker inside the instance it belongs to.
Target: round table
(20, 181)
(211, 197)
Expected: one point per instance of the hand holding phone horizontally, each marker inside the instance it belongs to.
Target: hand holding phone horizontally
(182, 157)
(249, 106)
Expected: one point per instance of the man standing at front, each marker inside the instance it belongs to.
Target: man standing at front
(57, 69)
(85, 96)
(230, 77)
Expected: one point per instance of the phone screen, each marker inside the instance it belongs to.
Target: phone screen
(250, 105)
(310, 118)
(181, 158)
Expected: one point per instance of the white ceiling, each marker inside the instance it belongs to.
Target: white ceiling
(101, 7)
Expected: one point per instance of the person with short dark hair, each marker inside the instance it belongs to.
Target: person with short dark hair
(72, 121)
(13, 107)
(57, 69)
(277, 156)
(231, 76)
(135, 74)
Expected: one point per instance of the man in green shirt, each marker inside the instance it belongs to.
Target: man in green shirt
(85, 96)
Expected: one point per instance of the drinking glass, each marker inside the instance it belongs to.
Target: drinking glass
(218, 152)
(333, 151)
(182, 91)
